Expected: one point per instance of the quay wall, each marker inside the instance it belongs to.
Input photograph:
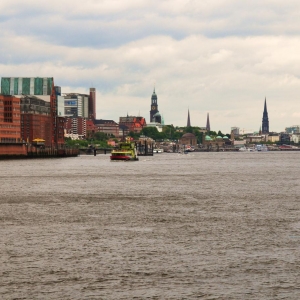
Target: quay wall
(12, 151)
(7, 150)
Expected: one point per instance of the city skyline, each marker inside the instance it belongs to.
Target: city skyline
(222, 58)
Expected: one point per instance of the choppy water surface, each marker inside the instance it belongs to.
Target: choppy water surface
(196, 226)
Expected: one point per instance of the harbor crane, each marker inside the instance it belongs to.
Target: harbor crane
(247, 130)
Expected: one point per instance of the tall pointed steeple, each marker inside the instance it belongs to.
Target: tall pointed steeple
(265, 120)
(207, 123)
(188, 119)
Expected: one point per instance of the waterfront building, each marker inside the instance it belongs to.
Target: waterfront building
(78, 128)
(43, 89)
(154, 112)
(239, 144)
(295, 138)
(36, 126)
(131, 123)
(36, 121)
(284, 138)
(293, 129)
(235, 130)
(265, 120)
(273, 137)
(91, 128)
(254, 138)
(10, 119)
(38, 86)
(73, 105)
(215, 142)
(109, 127)
(188, 139)
(158, 126)
(60, 137)
(75, 128)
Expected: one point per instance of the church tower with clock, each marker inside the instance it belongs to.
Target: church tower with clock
(154, 113)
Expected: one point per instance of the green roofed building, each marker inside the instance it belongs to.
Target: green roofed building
(26, 85)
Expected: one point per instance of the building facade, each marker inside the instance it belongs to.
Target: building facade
(235, 130)
(36, 126)
(293, 129)
(73, 105)
(284, 138)
(10, 119)
(295, 138)
(188, 139)
(35, 119)
(39, 86)
(43, 89)
(109, 127)
(75, 128)
(131, 124)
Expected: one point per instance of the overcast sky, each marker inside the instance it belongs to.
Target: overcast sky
(218, 56)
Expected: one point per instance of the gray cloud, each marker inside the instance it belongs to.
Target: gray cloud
(221, 57)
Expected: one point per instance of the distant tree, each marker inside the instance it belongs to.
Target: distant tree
(151, 132)
(100, 136)
(220, 133)
(134, 135)
(189, 129)
(76, 143)
(169, 131)
(178, 135)
(211, 133)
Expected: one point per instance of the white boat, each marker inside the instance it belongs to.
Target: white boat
(245, 149)
(158, 150)
(262, 148)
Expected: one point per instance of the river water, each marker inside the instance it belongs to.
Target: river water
(171, 226)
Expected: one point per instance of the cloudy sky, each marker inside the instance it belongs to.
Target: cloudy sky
(218, 56)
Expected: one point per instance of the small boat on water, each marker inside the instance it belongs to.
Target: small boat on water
(158, 150)
(125, 152)
(245, 149)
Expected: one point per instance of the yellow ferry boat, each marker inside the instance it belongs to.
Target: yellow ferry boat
(125, 152)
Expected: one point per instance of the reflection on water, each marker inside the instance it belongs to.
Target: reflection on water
(171, 226)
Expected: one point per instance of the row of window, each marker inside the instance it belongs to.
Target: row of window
(9, 126)
(9, 140)
(9, 132)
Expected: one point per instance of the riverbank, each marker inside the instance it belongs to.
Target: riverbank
(23, 151)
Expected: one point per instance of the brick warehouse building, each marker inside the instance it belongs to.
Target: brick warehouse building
(109, 127)
(36, 121)
(35, 126)
(75, 127)
(10, 131)
(132, 123)
(44, 89)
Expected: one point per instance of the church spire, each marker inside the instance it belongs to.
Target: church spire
(207, 123)
(265, 119)
(265, 107)
(188, 119)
